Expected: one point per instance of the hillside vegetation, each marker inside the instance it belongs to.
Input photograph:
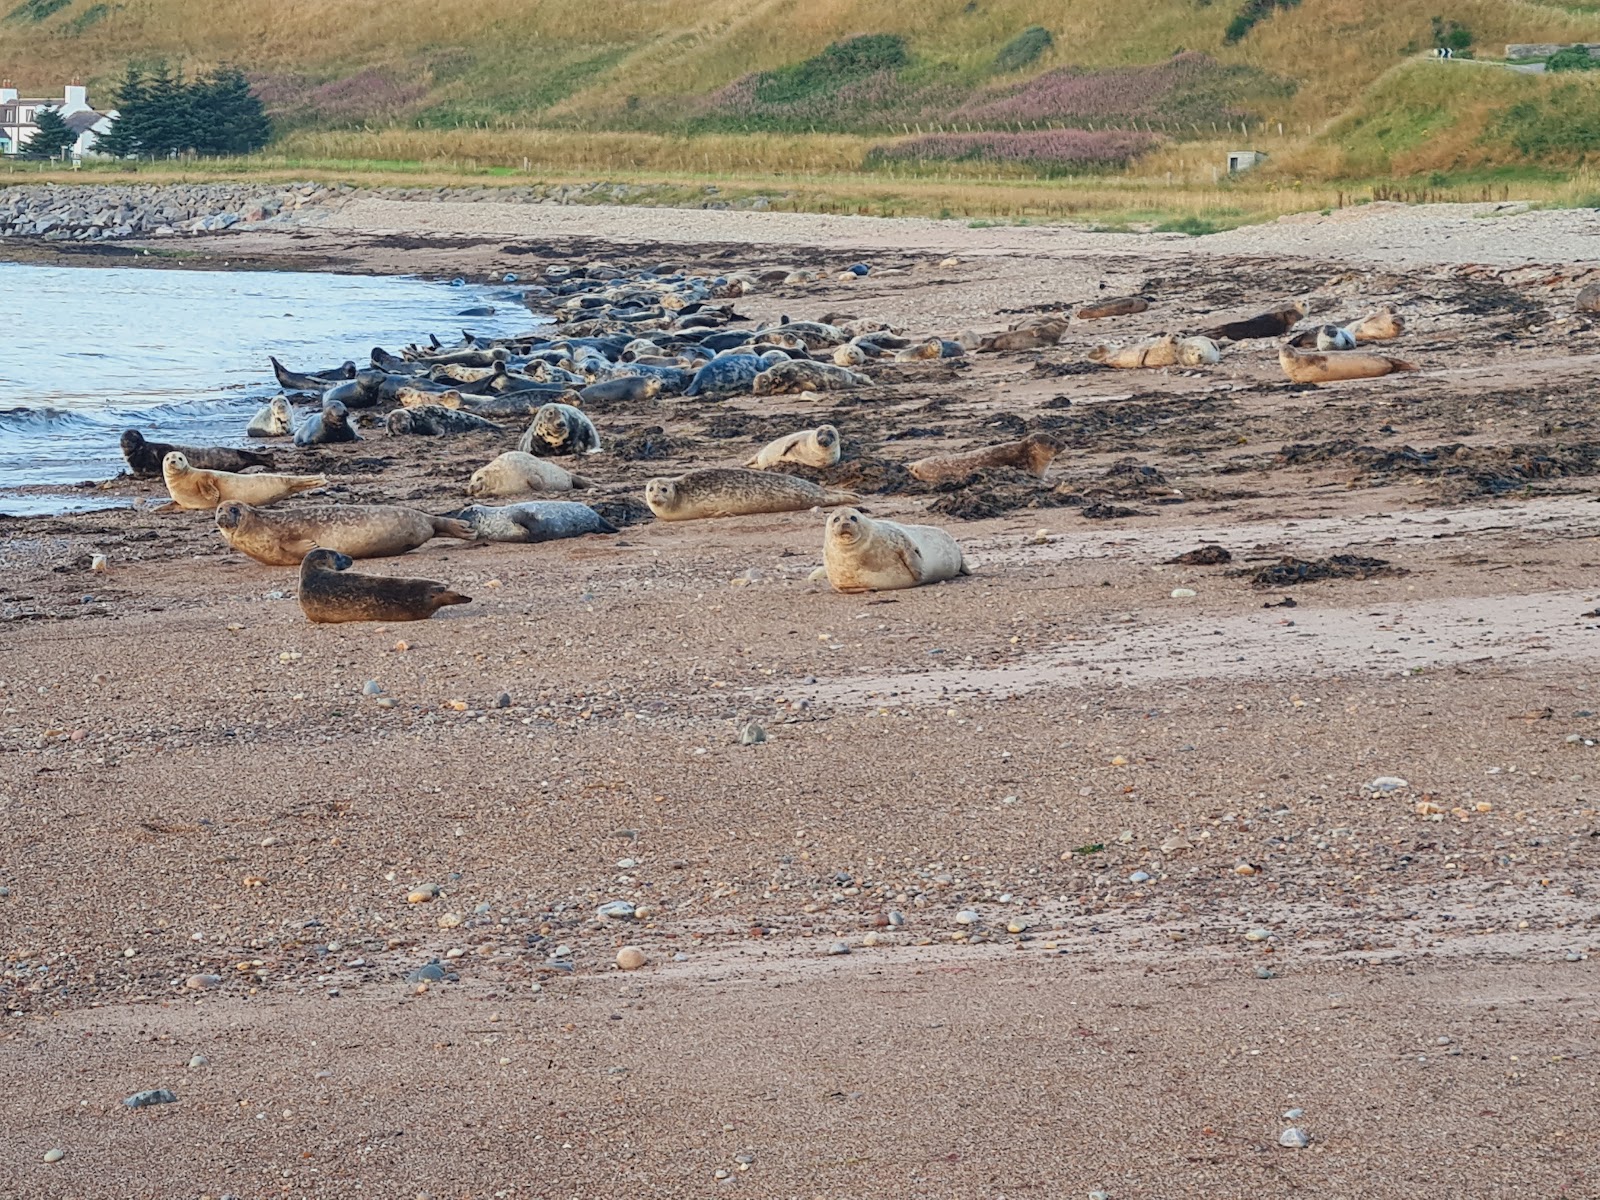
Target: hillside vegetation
(1018, 86)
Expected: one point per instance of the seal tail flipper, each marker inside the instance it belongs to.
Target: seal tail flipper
(832, 496)
(582, 483)
(452, 527)
(446, 598)
(605, 525)
(304, 483)
(1400, 364)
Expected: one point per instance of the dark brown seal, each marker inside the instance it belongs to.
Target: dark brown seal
(1113, 306)
(1032, 454)
(145, 458)
(329, 594)
(1265, 325)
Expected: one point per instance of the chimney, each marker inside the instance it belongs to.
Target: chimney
(7, 92)
(77, 99)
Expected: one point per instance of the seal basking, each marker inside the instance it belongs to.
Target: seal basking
(146, 458)
(734, 492)
(272, 419)
(624, 389)
(1113, 306)
(560, 429)
(193, 487)
(1304, 366)
(534, 521)
(1032, 454)
(329, 596)
(862, 555)
(817, 447)
(434, 420)
(1266, 325)
(517, 471)
(327, 427)
(806, 375)
(282, 539)
(1382, 326)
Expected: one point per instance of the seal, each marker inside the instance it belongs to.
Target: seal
(1382, 326)
(726, 374)
(310, 381)
(1035, 335)
(516, 472)
(282, 539)
(862, 555)
(1306, 366)
(1114, 306)
(195, 487)
(624, 389)
(534, 521)
(434, 420)
(1588, 300)
(145, 459)
(735, 492)
(1156, 352)
(1265, 325)
(1331, 337)
(806, 375)
(329, 596)
(817, 447)
(272, 419)
(325, 428)
(929, 348)
(560, 429)
(851, 354)
(1032, 454)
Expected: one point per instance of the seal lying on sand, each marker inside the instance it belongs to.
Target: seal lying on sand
(145, 458)
(329, 595)
(516, 472)
(1033, 335)
(282, 539)
(192, 487)
(534, 521)
(1307, 366)
(627, 389)
(806, 375)
(560, 429)
(272, 419)
(734, 492)
(1032, 454)
(1382, 326)
(434, 420)
(1163, 350)
(863, 555)
(1114, 306)
(327, 427)
(1266, 325)
(817, 447)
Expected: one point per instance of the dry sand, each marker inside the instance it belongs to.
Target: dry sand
(195, 784)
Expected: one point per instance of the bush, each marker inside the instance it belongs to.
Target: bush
(1248, 16)
(1054, 151)
(1023, 50)
(162, 113)
(1573, 58)
(841, 63)
(1451, 35)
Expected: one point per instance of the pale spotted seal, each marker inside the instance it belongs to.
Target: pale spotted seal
(1306, 366)
(326, 428)
(560, 429)
(194, 487)
(145, 459)
(434, 420)
(534, 521)
(817, 447)
(282, 539)
(1032, 454)
(517, 472)
(272, 419)
(862, 555)
(734, 492)
(330, 594)
(806, 375)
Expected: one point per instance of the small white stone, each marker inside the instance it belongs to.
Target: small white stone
(839, 948)
(615, 910)
(1258, 935)
(54, 1155)
(1182, 593)
(1294, 1139)
(967, 916)
(199, 1060)
(1387, 783)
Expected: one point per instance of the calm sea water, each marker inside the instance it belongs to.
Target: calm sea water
(86, 352)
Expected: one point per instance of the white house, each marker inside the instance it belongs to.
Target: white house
(18, 116)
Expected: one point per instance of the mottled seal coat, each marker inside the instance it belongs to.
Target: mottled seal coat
(516, 472)
(534, 521)
(735, 492)
(1032, 454)
(194, 487)
(1331, 337)
(273, 419)
(727, 374)
(1033, 336)
(145, 459)
(434, 420)
(1588, 299)
(862, 555)
(327, 427)
(282, 539)
(817, 447)
(1265, 325)
(329, 594)
(625, 389)
(1307, 366)
(806, 375)
(1113, 306)
(560, 429)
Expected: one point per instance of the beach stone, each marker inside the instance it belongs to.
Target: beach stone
(1387, 783)
(372, 688)
(1294, 1114)
(147, 1098)
(1265, 973)
(839, 948)
(202, 983)
(1294, 1138)
(432, 972)
(426, 893)
(752, 735)
(631, 958)
(896, 918)
(503, 700)
(1258, 935)
(1139, 877)
(199, 1060)
(54, 1155)
(615, 910)
(967, 916)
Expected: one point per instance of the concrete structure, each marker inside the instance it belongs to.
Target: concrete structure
(1546, 49)
(18, 117)
(1243, 160)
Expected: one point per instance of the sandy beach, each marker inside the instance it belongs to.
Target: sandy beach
(1131, 858)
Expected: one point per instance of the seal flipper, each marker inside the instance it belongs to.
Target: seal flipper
(453, 527)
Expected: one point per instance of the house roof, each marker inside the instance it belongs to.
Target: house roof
(80, 121)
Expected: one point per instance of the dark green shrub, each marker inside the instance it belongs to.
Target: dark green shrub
(1023, 50)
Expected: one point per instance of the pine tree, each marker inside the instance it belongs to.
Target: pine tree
(160, 114)
(52, 136)
(123, 139)
(236, 121)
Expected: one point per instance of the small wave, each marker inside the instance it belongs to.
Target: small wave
(50, 420)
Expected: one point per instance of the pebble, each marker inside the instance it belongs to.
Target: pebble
(1016, 925)
(1139, 877)
(1387, 783)
(1258, 935)
(1264, 973)
(372, 688)
(896, 917)
(202, 983)
(503, 700)
(450, 920)
(423, 894)
(1294, 1114)
(1574, 956)
(1182, 593)
(55, 1155)
(1294, 1139)
(631, 958)
(432, 972)
(615, 910)
(153, 1096)
(1099, 1196)
(839, 948)
(752, 735)
(967, 917)
(199, 1060)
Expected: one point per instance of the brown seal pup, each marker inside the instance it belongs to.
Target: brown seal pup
(817, 447)
(282, 539)
(1032, 454)
(734, 492)
(329, 596)
(1032, 336)
(1265, 325)
(517, 471)
(1306, 366)
(191, 487)
(862, 555)
(145, 458)
(1114, 306)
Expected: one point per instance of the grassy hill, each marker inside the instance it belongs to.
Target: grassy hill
(1003, 87)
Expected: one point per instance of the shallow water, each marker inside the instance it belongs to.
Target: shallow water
(182, 355)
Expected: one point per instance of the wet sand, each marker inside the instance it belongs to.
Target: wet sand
(1193, 912)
